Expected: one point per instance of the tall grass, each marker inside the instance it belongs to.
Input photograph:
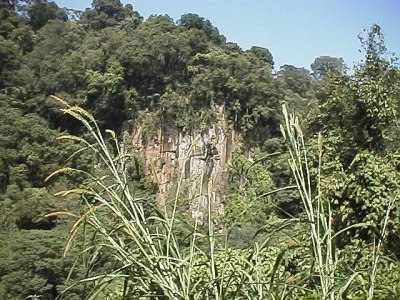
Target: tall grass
(142, 244)
(320, 217)
(148, 261)
(134, 239)
(318, 211)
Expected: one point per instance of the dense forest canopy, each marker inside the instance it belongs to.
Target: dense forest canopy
(124, 70)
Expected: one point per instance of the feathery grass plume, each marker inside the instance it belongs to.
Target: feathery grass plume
(68, 109)
(70, 242)
(75, 228)
(65, 170)
(61, 213)
(60, 101)
(82, 112)
(320, 143)
(74, 191)
(73, 113)
(70, 137)
(282, 129)
(85, 216)
(112, 133)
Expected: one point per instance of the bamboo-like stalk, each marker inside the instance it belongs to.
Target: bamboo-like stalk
(377, 249)
(319, 218)
(120, 202)
(319, 215)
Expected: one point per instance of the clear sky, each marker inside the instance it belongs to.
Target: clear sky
(295, 31)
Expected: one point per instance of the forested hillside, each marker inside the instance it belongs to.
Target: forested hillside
(301, 196)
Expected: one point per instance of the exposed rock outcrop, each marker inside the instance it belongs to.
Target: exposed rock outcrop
(192, 162)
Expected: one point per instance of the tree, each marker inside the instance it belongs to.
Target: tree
(41, 11)
(359, 161)
(373, 42)
(378, 91)
(264, 54)
(31, 264)
(15, 37)
(15, 5)
(105, 13)
(322, 65)
(112, 8)
(365, 104)
(8, 60)
(194, 21)
(296, 79)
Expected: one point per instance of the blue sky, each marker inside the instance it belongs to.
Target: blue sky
(295, 31)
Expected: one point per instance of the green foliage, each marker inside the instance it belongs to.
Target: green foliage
(362, 195)
(117, 67)
(31, 264)
(263, 54)
(364, 104)
(248, 185)
(325, 65)
(107, 13)
(193, 21)
(40, 12)
(235, 265)
(28, 148)
(297, 79)
(149, 261)
(359, 173)
(176, 108)
(388, 281)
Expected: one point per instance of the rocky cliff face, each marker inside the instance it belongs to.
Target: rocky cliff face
(192, 162)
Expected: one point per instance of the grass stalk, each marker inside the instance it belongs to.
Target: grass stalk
(318, 211)
(377, 249)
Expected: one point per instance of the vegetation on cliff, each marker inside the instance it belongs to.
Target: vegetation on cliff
(315, 216)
